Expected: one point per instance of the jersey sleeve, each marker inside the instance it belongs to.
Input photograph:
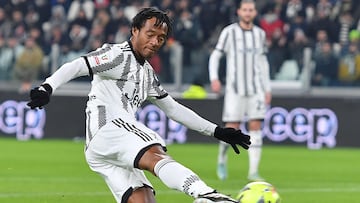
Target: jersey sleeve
(216, 55)
(185, 116)
(265, 71)
(107, 61)
(156, 91)
(263, 41)
(67, 72)
(222, 44)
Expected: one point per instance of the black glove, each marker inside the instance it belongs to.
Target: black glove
(233, 137)
(40, 96)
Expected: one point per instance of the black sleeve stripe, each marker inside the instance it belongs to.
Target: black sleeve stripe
(88, 66)
(162, 96)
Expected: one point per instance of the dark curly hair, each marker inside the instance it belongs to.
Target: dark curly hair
(147, 13)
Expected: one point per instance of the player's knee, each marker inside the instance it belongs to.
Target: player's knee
(151, 157)
(141, 195)
(254, 125)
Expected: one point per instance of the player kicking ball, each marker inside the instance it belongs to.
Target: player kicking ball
(118, 147)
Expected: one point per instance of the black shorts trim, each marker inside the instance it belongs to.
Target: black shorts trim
(142, 152)
(126, 195)
(129, 192)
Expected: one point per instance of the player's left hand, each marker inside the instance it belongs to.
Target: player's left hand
(233, 137)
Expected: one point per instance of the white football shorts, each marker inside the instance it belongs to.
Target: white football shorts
(115, 151)
(238, 108)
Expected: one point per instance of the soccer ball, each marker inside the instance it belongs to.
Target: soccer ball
(258, 192)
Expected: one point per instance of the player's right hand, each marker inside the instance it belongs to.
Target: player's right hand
(40, 96)
(233, 137)
(216, 86)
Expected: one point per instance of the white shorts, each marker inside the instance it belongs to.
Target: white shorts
(239, 108)
(114, 153)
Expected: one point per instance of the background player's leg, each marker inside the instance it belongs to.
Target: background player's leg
(255, 150)
(221, 170)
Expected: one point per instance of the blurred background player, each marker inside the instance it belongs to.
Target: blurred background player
(247, 91)
(118, 146)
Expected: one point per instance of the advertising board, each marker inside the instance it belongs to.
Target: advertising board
(314, 122)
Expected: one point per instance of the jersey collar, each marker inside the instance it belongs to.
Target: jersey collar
(246, 29)
(138, 58)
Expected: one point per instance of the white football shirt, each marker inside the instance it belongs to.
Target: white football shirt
(246, 63)
(121, 83)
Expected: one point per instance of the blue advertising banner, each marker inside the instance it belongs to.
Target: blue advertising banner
(312, 122)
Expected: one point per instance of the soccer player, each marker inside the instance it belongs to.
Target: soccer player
(247, 89)
(118, 147)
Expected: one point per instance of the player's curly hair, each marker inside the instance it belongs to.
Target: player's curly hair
(147, 13)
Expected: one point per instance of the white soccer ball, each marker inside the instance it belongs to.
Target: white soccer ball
(258, 192)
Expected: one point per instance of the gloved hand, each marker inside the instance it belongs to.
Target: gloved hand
(40, 96)
(233, 137)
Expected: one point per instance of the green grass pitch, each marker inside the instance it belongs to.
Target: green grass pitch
(55, 171)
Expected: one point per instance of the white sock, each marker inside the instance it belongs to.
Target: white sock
(222, 156)
(255, 151)
(177, 176)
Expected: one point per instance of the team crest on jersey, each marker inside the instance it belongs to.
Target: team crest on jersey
(103, 58)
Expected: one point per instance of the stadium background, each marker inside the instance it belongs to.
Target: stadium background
(306, 112)
(65, 29)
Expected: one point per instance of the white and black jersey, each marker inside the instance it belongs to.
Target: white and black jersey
(247, 65)
(121, 83)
